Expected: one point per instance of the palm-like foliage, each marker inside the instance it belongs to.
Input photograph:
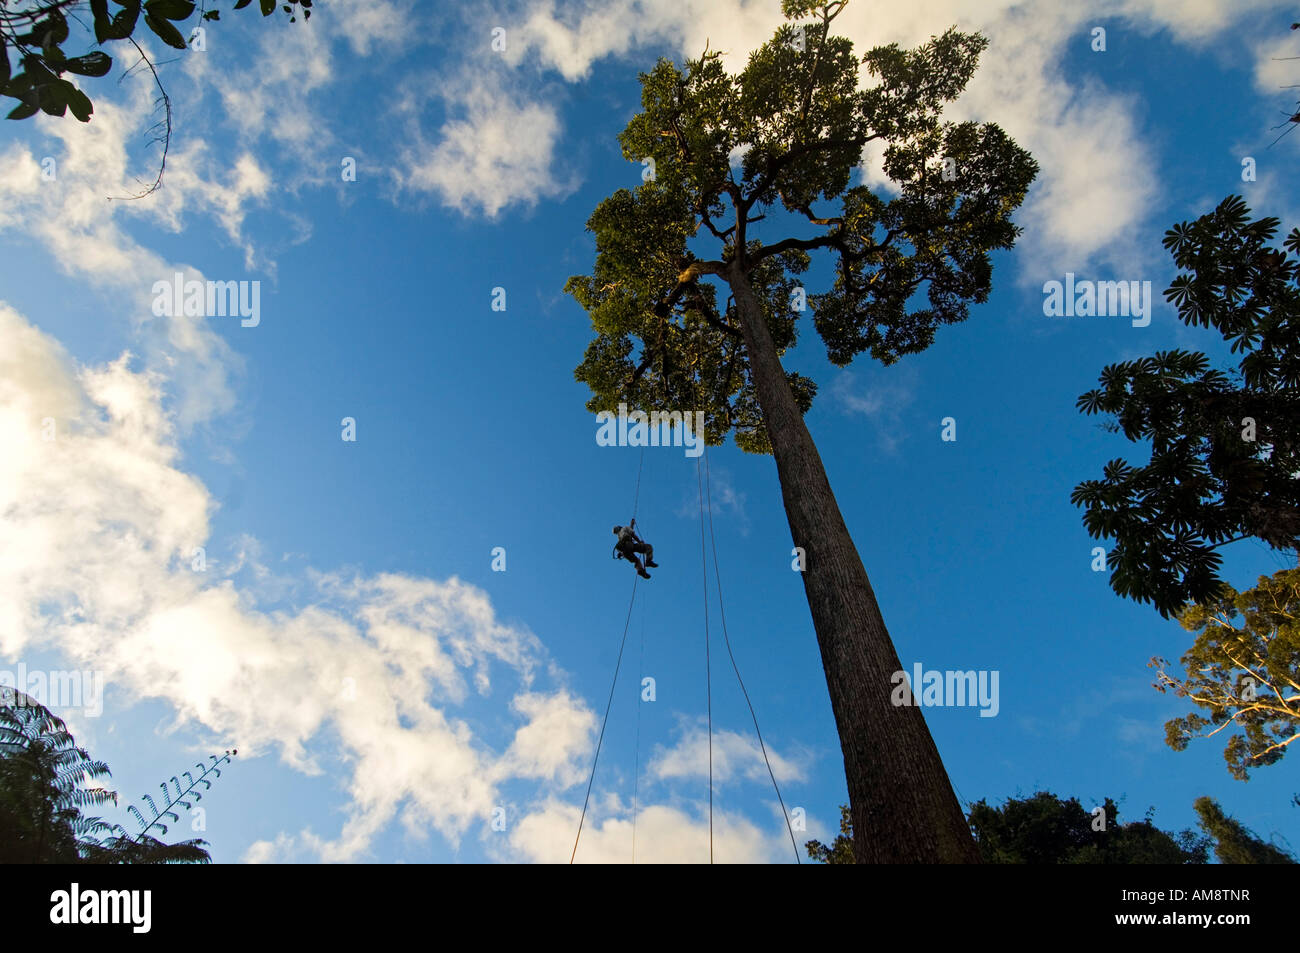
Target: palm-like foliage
(1225, 457)
(46, 781)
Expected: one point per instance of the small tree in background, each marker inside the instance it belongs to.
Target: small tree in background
(1233, 842)
(1243, 673)
(841, 849)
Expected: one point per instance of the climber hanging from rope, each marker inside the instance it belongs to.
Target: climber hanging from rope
(630, 544)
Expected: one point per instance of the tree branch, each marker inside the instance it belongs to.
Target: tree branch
(776, 164)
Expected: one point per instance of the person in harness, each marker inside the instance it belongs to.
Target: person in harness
(629, 545)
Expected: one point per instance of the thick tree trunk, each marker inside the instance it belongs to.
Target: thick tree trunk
(904, 809)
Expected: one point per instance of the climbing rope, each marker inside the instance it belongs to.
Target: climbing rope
(601, 739)
(722, 612)
(708, 677)
(704, 489)
(704, 573)
(636, 760)
(636, 499)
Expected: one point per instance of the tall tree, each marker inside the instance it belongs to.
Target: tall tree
(1225, 448)
(1243, 673)
(777, 143)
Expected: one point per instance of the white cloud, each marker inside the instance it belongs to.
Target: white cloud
(195, 182)
(376, 24)
(99, 526)
(1277, 76)
(735, 756)
(267, 91)
(1097, 181)
(665, 834)
(554, 742)
(724, 497)
(89, 236)
(883, 402)
(496, 148)
(1191, 21)
(1276, 63)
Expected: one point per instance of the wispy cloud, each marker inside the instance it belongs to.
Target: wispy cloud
(735, 756)
(883, 402)
(96, 562)
(90, 237)
(496, 148)
(727, 501)
(1089, 705)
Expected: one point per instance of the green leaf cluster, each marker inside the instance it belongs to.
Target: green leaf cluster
(46, 781)
(1242, 673)
(32, 34)
(1234, 843)
(1046, 829)
(1225, 445)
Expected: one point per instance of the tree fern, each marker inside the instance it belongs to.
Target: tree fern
(46, 781)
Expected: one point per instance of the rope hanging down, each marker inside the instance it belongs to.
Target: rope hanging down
(636, 758)
(636, 499)
(705, 492)
(608, 704)
(722, 612)
(708, 676)
(704, 573)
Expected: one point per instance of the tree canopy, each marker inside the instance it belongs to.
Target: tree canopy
(783, 137)
(1225, 449)
(840, 850)
(1046, 829)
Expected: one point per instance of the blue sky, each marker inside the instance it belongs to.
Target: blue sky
(387, 690)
